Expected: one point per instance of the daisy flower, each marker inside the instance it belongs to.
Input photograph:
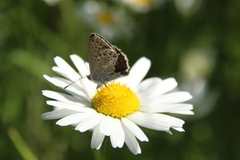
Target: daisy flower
(51, 2)
(118, 108)
(188, 7)
(196, 67)
(143, 6)
(106, 20)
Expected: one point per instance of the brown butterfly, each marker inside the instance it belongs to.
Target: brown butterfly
(106, 61)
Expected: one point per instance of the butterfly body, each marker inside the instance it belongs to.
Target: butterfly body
(106, 61)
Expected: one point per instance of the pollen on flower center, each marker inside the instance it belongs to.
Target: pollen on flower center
(116, 100)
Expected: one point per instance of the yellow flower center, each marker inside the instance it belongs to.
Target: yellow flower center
(105, 18)
(143, 2)
(116, 100)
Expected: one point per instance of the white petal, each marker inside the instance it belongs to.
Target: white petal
(171, 108)
(184, 112)
(117, 136)
(147, 120)
(56, 114)
(73, 119)
(89, 123)
(179, 129)
(67, 69)
(97, 138)
(70, 83)
(167, 85)
(157, 121)
(131, 142)
(147, 83)
(106, 125)
(71, 106)
(80, 65)
(169, 120)
(170, 98)
(82, 83)
(65, 97)
(57, 81)
(62, 83)
(134, 129)
(72, 89)
(138, 72)
(175, 97)
(158, 89)
(58, 71)
(121, 80)
(89, 87)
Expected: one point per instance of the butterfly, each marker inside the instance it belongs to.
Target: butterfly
(106, 61)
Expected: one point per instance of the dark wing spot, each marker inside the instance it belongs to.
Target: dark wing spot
(104, 46)
(121, 64)
(105, 53)
(91, 38)
(97, 41)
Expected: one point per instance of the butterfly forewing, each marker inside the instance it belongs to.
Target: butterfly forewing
(106, 61)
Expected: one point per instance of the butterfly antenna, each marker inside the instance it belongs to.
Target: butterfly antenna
(98, 86)
(99, 95)
(72, 83)
(108, 89)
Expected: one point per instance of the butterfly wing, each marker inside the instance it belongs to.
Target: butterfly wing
(107, 62)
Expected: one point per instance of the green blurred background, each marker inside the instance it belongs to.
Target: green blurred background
(195, 41)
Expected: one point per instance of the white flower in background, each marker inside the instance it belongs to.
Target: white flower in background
(196, 66)
(204, 98)
(51, 2)
(187, 7)
(118, 108)
(198, 63)
(143, 6)
(108, 21)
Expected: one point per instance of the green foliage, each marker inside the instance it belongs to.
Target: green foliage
(33, 33)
